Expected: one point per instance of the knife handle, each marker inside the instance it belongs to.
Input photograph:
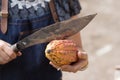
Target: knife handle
(14, 47)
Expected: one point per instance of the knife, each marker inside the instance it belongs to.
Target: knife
(59, 30)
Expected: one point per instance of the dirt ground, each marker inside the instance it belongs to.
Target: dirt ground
(101, 40)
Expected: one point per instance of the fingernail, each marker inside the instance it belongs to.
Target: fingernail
(50, 62)
(58, 69)
(84, 52)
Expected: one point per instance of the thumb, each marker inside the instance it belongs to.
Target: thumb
(82, 55)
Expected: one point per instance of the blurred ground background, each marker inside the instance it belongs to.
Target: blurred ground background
(101, 39)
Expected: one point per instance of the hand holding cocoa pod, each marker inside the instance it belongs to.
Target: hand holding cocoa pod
(66, 55)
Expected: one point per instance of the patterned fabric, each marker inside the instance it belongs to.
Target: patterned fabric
(33, 65)
(15, 12)
(26, 9)
(67, 8)
(28, 3)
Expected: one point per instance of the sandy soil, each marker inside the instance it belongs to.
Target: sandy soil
(101, 40)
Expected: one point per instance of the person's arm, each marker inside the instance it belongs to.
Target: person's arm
(77, 39)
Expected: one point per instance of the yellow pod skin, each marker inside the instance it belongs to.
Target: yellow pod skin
(61, 52)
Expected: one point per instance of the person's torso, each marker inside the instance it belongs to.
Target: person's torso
(32, 65)
(23, 20)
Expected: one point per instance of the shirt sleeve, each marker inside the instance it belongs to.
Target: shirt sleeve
(67, 8)
(75, 7)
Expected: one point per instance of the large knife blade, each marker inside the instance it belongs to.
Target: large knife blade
(60, 30)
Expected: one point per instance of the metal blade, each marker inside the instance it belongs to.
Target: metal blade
(60, 30)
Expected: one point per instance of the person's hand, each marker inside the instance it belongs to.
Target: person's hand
(80, 65)
(6, 53)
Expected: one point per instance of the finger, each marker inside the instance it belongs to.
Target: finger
(82, 55)
(4, 56)
(67, 68)
(83, 61)
(9, 51)
(19, 54)
(3, 43)
(80, 65)
(84, 67)
(2, 61)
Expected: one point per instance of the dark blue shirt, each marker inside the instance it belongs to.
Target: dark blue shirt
(33, 65)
